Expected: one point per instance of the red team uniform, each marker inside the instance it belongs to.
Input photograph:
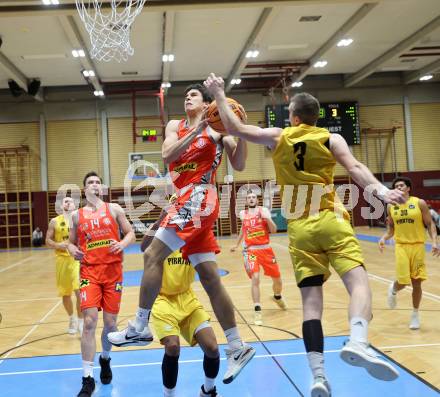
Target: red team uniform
(101, 270)
(257, 251)
(196, 208)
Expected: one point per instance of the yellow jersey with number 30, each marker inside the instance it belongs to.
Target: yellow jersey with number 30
(408, 222)
(305, 165)
(61, 233)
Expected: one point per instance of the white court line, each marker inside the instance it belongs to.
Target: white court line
(28, 300)
(31, 330)
(16, 264)
(384, 280)
(43, 371)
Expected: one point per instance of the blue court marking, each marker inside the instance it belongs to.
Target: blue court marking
(137, 373)
(132, 278)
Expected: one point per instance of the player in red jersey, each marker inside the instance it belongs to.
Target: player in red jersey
(256, 225)
(193, 152)
(96, 242)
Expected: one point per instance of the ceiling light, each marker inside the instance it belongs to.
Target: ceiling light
(98, 93)
(297, 84)
(88, 73)
(75, 53)
(426, 77)
(166, 85)
(81, 53)
(320, 64)
(252, 53)
(49, 2)
(55, 2)
(168, 58)
(46, 2)
(235, 81)
(344, 42)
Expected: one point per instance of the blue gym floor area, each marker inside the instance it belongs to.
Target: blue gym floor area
(279, 368)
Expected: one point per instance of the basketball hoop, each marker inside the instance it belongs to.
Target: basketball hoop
(109, 30)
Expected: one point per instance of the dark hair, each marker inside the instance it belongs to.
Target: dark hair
(306, 107)
(403, 179)
(88, 175)
(202, 89)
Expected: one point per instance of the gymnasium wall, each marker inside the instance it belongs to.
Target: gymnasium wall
(74, 136)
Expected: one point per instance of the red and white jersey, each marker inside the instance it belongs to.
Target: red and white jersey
(255, 228)
(194, 178)
(199, 163)
(96, 230)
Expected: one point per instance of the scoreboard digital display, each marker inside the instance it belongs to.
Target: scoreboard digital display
(338, 117)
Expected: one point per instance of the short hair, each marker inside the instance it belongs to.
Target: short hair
(88, 175)
(306, 107)
(403, 179)
(202, 89)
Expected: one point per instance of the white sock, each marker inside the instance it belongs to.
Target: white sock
(316, 363)
(359, 329)
(105, 354)
(209, 384)
(87, 369)
(142, 317)
(233, 338)
(169, 392)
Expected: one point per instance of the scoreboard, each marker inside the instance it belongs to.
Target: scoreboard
(338, 117)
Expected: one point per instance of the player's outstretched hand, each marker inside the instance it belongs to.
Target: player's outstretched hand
(381, 244)
(116, 247)
(75, 252)
(214, 85)
(435, 251)
(394, 197)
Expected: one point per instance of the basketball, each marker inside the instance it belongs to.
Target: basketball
(213, 115)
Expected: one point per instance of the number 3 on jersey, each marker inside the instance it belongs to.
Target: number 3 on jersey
(299, 151)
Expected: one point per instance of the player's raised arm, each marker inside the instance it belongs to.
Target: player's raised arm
(173, 147)
(236, 152)
(265, 136)
(359, 172)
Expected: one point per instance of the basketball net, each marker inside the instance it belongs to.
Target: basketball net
(109, 29)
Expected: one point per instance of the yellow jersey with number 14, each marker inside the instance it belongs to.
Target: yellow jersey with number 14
(408, 222)
(304, 167)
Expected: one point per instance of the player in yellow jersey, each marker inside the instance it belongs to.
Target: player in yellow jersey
(407, 222)
(178, 312)
(320, 235)
(67, 268)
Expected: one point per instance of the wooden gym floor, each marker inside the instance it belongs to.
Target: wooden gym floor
(34, 322)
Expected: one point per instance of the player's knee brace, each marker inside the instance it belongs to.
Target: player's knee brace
(211, 366)
(170, 369)
(313, 336)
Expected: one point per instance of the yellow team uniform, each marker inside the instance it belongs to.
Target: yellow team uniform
(410, 236)
(177, 310)
(67, 268)
(319, 229)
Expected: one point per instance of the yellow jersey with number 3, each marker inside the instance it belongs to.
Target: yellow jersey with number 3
(408, 222)
(304, 167)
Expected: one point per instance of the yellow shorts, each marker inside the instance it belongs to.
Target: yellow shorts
(67, 275)
(179, 314)
(322, 240)
(410, 263)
